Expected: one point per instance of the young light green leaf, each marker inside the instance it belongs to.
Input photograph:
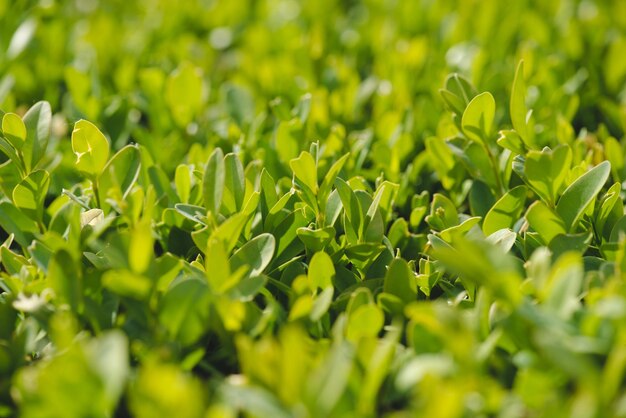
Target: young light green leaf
(517, 106)
(213, 181)
(141, 247)
(321, 271)
(443, 213)
(30, 193)
(91, 148)
(478, 117)
(217, 266)
(234, 181)
(305, 170)
(546, 170)
(14, 130)
(182, 180)
(365, 321)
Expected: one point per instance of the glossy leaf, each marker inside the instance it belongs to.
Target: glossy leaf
(90, 147)
(506, 211)
(30, 193)
(14, 130)
(213, 181)
(478, 117)
(581, 193)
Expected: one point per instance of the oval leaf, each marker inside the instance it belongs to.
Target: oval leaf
(581, 193)
(478, 117)
(91, 148)
(506, 211)
(255, 254)
(30, 193)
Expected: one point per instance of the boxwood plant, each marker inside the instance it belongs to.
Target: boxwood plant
(254, 230)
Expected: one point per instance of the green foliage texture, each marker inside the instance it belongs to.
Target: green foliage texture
(316, 208)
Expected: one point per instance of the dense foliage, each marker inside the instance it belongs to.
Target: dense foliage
(282, 208)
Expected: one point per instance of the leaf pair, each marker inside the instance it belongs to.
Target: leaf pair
(223, 183)
(25, 140)
(549, 223)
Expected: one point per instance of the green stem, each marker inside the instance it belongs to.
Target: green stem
(94, 187)
(496, 172)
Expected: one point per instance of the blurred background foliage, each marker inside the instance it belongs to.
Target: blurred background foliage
(372, 66)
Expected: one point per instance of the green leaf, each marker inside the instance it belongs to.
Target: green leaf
(517, 106)
(579, 195)
(141, 247)
(481, 199)
(182, 180)
(321, 271)
(316, 239)
(217, 265)
(91, 148)
(213, 181)
(384, 198)
(400, 281)
(610, 210)
(108, 356)
(305, 170)
(619, 230)
(564, 243)
(351, 206)
(478, 118)
(14, 130)
(365, 321)
(185, 310)
(504, 238)
(443, 213)
(545, 221)
(255, 254)
(29, 195)
(460, 229)
(564, 285)
(12, 262)
(120, 173)
(457, 93)
(230, 230)
(127, 283)
(15, 164)
(234, 181)
(321, 303)
(192, 212)
(546, 171)
(15, 222)
(511, 140)
(506, 211)
(66, 280)
(37, 121)
(246, 290)
(329, 180)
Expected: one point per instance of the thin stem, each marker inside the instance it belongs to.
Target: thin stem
(495, 170)
(94, 187)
